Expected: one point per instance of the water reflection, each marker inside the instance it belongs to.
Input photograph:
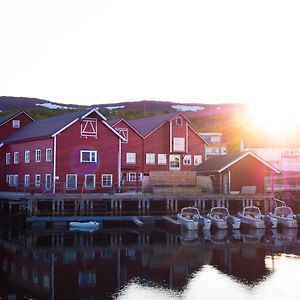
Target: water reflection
(132, 263)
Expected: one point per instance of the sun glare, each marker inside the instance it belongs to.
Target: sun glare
(274, 118)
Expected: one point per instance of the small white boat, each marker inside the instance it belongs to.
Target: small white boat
(252, 216)
(190, 218)
(221, 218)
(84, 225)
(285, 217)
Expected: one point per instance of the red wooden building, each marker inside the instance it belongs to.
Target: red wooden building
(11, 123)
(159, 143)
(69, 153)
(231, 172)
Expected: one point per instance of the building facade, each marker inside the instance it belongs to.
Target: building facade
(78, 152)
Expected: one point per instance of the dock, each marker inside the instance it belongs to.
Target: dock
(124, 205)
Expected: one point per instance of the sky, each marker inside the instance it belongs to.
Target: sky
(187, 51)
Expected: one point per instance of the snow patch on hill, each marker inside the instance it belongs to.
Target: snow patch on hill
(50, 105)
(188, 107)
(114, 107)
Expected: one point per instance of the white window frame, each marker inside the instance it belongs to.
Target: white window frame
(179, 144)
(90, 123)
(38, 155)
(48, 183)
(27, 157)
(67, 185)
(7, 158)
(178, 121)
(150, 158)
(161, 159)
(15, 180)
(170, 162)
(49, 156)
(131, 158)
(16, 123)
(91, 159)
(10, 180)
(124, 133)
(131, 176)
(102, 180)
(197, 160)
(187, 159)
(16, 157)
(37, 180)
(26, 180)
(85, 186)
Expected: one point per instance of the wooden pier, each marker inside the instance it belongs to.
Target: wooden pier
(123, 204)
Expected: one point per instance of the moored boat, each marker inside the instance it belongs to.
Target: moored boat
(285, 217)
(252, 217)
(221, 218)
(84, 225)
(190, 218)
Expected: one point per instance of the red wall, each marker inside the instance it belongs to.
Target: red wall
(22, 168)
(134, 145)
(248, 171)
(6, 129)
(69, 143)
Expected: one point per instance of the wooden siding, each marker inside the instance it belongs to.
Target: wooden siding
(69, 144)
(7, 129)
(23, 168)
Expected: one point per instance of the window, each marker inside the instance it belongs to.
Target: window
(88, 156)
(187, 160)
(7, 158)
(71, 181)
(162, 159)
(90, 181)
(130, 158)
(15, 180)
(89, 127)
(215, 139)
(48, 154)
(107, 180)
(10, 179)
(174, 162)
(132, 176)
(35, 276)
(24, 273)
(124, 133)
(87, 277)
(46, 281)
(16, 157)
(179, 144)
(197, 160)
(27, 157)
(150, 158)
(37, 181)
(38, 155)
(179, 121)
(48, 181)
(26, 180)
(16, 123)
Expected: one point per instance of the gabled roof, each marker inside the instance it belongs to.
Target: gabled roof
(52, 126)
(222, 162)
(115, 122)
(146, 126)
(6, 118)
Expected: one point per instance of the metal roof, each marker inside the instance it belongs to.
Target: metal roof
(219, 163)
(5, 118)
(50, 126)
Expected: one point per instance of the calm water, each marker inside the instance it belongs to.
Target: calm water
(148, 264)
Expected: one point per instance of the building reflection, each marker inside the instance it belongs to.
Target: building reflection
(56, 264)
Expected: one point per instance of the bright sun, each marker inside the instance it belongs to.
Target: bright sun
(275, 118)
